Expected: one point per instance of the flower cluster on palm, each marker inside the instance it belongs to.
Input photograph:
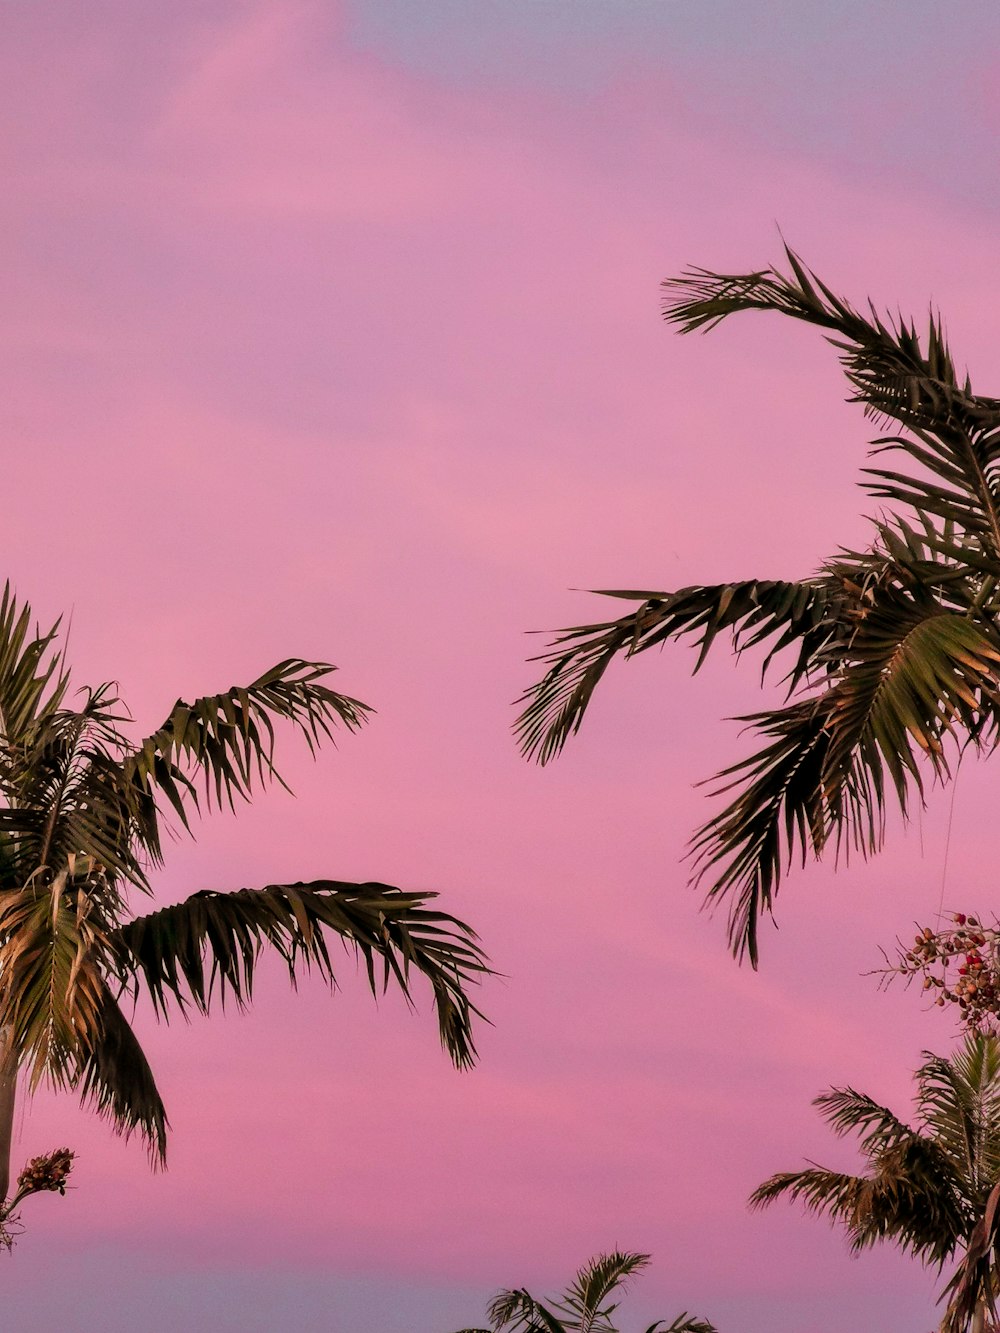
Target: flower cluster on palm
(584, 1307)
(889, 651)
(82, 820)
(933, 1189)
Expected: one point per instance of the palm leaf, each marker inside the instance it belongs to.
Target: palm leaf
(114, 1077)
(959, 1103)
(780, 808)
(594, 1283)
(684, 1323)
(912, 672)
(211, 942)
(54, 952)
(752, 612)
(518, 1311)
(902, 1199)
(229, 738)
(33, 680)
(973, 1283)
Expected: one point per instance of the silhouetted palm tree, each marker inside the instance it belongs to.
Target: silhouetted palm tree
(893, 649)
(81, 819)
(928, 1189)
(585, 1306)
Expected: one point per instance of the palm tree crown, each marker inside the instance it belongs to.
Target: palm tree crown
(888, 651)
(928, 1189)
(82, 814)
(584, 1307)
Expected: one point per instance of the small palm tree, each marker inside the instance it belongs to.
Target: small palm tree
(82, 816)
(584, 1306)
(893, 649)
(932, 1190)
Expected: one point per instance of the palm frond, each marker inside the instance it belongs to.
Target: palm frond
(959, 1102)
(684, 1323)
(780, 809)
(54, 953)
(228, 739)
(849, 1112)
(518, 1311)
(114, 1077)
(903, 1198)
(884, 360)
(752, 611)
(912, 673)
(973, 1284)
(33, 679)
(585, 1297)
(211, 941)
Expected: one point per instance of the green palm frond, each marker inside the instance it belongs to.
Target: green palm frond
(228, 739)
(913, 673)
(33, 679)
(894, 649)
(890, 1203)
(586, 1295)
(211, 942)
(972, 1287)
(779, 810)
(113, 1076)
(752, 612)
(847, 1111)
(518, 1312)
(890, 371)
(54, 953)
(959, 1103)
(684, 1323)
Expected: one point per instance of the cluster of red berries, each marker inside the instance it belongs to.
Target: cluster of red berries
(962, 963)
(48, 1172)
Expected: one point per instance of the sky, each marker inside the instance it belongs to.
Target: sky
(332, 330)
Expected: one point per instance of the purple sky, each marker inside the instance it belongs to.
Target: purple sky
(334, 332)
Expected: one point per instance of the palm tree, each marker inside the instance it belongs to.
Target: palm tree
(893, 649)
(929, 1189)
(83, 811)
(583, 1307)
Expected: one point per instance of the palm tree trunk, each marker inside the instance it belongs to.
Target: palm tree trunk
(8, 1088)
(979, 1318)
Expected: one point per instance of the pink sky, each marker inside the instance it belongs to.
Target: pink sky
(312, 348)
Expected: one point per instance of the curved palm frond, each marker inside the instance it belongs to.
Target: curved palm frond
(519, 1312)
(902, 640)
(894, 1203)
(684, 1323)
(54, 953)
(753, 612)
(972, 1288)
(586, 1295)
(847, 1111)
(959, 1103)
(114, 1077)
(889, 370)
(780, 808)
(33, 679)
(228, 738)
(213, 940)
